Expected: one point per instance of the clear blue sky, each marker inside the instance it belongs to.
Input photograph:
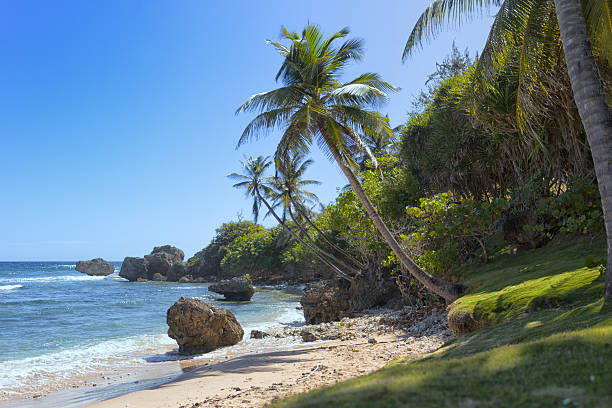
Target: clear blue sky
(117, 117)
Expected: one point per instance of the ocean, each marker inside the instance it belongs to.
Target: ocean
(58, 325)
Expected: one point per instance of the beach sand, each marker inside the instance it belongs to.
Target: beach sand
(362, 345)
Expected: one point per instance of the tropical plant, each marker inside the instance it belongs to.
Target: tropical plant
(255, 184)
(313, 105)
(584, 29)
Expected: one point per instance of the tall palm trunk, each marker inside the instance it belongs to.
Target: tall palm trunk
(590, 99)
(327, 239)
(301, 241)
(448, 290)
(323, 252)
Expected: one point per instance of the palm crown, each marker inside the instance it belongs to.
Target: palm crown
(313, 104)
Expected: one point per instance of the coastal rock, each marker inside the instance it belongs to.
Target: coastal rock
(186, 279)
(95, 267)
(159, 277)
(323, 302)
(162, 258)
(234, 289)
(133, 269)
(308, 336)
(176, 272)
(199, 327)
(258, 334)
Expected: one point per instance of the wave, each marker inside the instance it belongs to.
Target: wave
(79, 360)
(10, 287)
(63, 278)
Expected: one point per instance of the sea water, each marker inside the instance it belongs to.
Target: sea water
(57, 323)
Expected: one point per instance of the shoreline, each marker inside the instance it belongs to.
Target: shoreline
(362, 345)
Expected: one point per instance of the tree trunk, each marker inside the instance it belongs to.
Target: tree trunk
(448, 290)
(321, 251)
(591, 101)
(327, 239)
(301, 241)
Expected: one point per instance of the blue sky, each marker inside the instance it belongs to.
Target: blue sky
(117, 117)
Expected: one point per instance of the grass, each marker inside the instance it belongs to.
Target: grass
(548, 343)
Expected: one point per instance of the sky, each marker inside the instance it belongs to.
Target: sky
(117, 118)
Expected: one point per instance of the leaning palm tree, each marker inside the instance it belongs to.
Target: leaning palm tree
(254, 182)
(313, 105)
(585, 31)
(289, 190)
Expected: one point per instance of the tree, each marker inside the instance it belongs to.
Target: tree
(254, 183)
(535, 23)
(313, 105)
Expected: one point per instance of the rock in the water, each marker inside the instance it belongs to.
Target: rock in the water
(159, 277)
(258, 334)
(199, 327)
(186, 279)
(133, 269)
(323, 302)
(95, 267)
(174, 254)
(162, 258)
(234, 289)
(176, 272)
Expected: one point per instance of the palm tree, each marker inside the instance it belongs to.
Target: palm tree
(583, 33)
(290, 192)
(313, 105)
(254, 183)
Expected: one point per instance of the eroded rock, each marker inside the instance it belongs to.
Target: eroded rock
(234, 289)
(199, 327)
(95, 267)
(133, 269)
(324, 302)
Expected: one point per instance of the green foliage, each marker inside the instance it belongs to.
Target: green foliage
(253, 252)
(447, 232)
(192, 262)
(210, 257)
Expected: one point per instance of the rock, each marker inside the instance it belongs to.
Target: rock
(234, 289)
(159, 277)
(176, 272)
(186, 279)
(173, 253)
(133, 269)
(372, 340)
(161, 260)
(324, 302)
(257, 334)
(95, 267)
(308, 336)
(199, 327)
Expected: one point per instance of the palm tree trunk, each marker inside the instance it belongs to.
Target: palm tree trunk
(328, 240)
(448, 290)
(590, 99)
(301, 241)
(321, 251)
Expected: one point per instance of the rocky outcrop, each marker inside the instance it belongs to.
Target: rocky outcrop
(95, 267)
(199, 327)
(238, 289)
(133, 268)
(258, 334)
(163, 263)
(324, 301)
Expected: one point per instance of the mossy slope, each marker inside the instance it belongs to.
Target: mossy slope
(549, 343)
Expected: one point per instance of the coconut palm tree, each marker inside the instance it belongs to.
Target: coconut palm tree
(254, 182)
(313, 105)
(585, 31)
(290, 192)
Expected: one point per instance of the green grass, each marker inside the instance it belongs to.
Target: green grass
(548, 344)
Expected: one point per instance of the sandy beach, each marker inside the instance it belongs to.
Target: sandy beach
(344, 350)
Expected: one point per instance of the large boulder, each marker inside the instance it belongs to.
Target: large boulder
(234, 289)
(95, 267)
(161, 259)
(133, 269)
(199, 327)
(324, 301)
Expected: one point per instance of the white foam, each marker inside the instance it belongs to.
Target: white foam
(79, 360)
(10, 287)
(62, 278)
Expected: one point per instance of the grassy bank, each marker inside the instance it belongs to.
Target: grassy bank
(545, 340)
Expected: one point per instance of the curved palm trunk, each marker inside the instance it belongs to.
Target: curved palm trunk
(328, 240)
(301, 241)
(448, 290)
(327, 254)
(596, 115)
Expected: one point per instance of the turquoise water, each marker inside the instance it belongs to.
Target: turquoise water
(56, 322)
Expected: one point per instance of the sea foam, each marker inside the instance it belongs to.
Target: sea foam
(10, 287)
